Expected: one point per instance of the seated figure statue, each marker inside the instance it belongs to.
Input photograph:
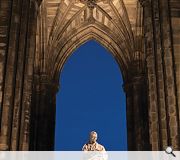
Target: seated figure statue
(94, 150)
(92, 145)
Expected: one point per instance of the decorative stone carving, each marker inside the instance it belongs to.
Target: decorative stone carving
(91, 3)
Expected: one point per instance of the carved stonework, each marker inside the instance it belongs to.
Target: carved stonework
(91, 3)
(29, 79)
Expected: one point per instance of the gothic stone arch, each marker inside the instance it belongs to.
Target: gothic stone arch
(36, 38)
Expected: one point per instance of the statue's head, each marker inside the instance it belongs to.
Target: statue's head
(93, 137)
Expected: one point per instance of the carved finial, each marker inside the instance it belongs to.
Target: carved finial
(90, 3)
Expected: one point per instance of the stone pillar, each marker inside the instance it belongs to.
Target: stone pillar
(5, 14)
(9, 74)
(175, 23)
(43, 116)
(137, 114)
(160, 77)
(154, 130)
(18, 75)
(128, 88)
(170, 76)
(163, 109)
(28, 79)
(140, 107)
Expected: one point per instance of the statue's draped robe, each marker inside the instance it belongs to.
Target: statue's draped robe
(93, 147)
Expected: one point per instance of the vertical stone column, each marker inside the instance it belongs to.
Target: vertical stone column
(43, 116)
(169, 73)
(18, 75)
(141, 120)
(128, 88)
(5, 14)
(137, 114)
(158, 58)
(154, 130)
(9, 75)
(28, 78)
(175, 23)
(163, 109)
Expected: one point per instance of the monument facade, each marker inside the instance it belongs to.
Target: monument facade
(37, 37)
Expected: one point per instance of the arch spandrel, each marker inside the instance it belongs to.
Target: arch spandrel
(66, 9)
(90, 33)
(99, 29)
(111, 17)
(122, 12)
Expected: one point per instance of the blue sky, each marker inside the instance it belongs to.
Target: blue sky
(91, 97)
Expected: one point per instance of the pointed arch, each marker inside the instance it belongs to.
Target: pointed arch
(73, 24)
(104, 21)
(77, 39)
